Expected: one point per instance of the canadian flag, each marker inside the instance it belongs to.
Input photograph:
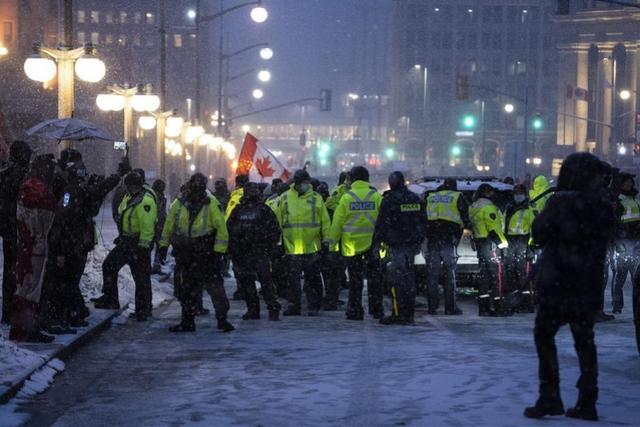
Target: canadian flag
(259, 163)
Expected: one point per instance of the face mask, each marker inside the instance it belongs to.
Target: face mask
(519, 198)
(303, 188)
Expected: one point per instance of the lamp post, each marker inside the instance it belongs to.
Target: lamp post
(158, 119)
(43, 65)
(128, 98)
(258, 14)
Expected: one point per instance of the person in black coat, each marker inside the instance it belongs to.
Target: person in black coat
(253, 237)
(573, 231)
(11, 177)
(71, 238)
(400, 227)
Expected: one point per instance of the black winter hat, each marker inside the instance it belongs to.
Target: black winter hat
(20, 152)
(133, 179)
(69, 155)
(301, 176)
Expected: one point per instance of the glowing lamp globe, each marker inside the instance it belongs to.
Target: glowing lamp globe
(147, 122)
(90, 70)
(259, 14)
(266, 53)
(40, 69)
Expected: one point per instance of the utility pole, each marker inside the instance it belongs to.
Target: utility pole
(163, 86)
(68, 24)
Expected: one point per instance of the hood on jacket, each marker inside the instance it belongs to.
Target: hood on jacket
(540, 185)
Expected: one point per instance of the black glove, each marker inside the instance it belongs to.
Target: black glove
(162, 253)
(124, 167)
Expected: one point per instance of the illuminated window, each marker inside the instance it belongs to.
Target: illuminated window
(108, 39)
(81, 17)
(81, 37)
(137, 18)
(108, 17)
(151, 18)
(123, 17)
(95, 17)
(95, 38)
(177, 40)
(122, 40)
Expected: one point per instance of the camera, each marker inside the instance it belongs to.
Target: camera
(120, 145)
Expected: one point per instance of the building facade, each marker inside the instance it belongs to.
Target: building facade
(598, 77)
(507, 52)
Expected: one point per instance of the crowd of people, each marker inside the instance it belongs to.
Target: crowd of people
(298, 236)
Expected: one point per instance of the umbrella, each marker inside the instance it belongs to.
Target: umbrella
(69, 130)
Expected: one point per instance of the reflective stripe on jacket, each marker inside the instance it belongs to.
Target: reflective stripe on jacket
(486, 218)
(137, 217)
(304, 221)
(355, 218)
(520, 222)
(443, 205)
(208, 221)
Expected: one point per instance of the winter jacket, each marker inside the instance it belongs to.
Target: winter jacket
(189, 226)
(73, 229)
(137, 218)
(487, 221)
(518, 219)
(162, 214)
(539, 194)
(11, 178)
(234, 200)
(401, 220)
(304, 221)
(573, 231)
(628, 215)
(445, 230)
(355, 218)
(253, 229)
(334, 198)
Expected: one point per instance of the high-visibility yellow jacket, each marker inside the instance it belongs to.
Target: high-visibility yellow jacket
(234, 200)
(137, 216)
(355, 218)
(485, 219)
(443, 205)
(520, 222)
(272, 202)
(304, 221)
(208, 221)
(631, 208)
(336, 195)
(540, 185)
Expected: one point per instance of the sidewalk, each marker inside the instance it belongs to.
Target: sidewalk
(31, 367)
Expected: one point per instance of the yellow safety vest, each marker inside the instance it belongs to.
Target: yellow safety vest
(485, 217)
(234, 200)
(355, 218)
(443, 205)
(207, 222)
(631, 209)
(336, 195)
(304, 221)
(520, 222)
(137, 217)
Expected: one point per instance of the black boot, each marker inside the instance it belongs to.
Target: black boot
(585, 408)
(183, 327)
(274, 315)
(251, 315)
(549, 403)
(292, 310)
(225, 326)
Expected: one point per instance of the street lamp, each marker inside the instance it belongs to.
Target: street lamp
(4, 51)
(147, 122)
(127, 98)
(264, 75)
(509, 108)
(46, 62)
(625, 94)
(191, 14)
(266, 53)
(258, 93)
(259, 14)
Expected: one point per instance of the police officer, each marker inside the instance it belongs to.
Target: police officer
(71, 238)
(196, 229)
(540, 192)
(234, 200)
(627, 239)
(158, 188)
(400, 228)
(337, 193)
(136, 222)
(487, 223)
(353, 226)
(305, 224)
(11, 177)
(279, 268)
(518, 221)
(447, 216)
(253, 236)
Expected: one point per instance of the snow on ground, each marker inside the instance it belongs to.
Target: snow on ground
(326, 371)
(17, 359)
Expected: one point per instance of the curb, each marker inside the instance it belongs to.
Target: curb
(62, 353)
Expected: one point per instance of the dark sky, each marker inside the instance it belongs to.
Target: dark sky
(312, 42)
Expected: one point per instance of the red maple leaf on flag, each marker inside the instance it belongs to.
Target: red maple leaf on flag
(263, 166)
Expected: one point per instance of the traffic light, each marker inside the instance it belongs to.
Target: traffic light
(537, 123)
(469, 121)
(325, 99)
(462, 87)
(456, 151)
(389, 152)
(323, 151)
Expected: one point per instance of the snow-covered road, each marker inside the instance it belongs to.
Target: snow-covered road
(326, 371)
